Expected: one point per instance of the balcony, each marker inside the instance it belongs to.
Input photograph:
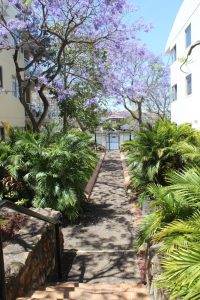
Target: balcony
(52, 115)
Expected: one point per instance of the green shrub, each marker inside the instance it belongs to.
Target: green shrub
(154, 152)
(175, 225)
(52, 168)
(164, 164)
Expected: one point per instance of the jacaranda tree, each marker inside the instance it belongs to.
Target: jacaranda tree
(139, 80)
(45, 30)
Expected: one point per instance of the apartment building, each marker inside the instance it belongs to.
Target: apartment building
(185, 77)
(11, 110)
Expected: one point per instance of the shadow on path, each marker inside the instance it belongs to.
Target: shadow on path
(99, 247)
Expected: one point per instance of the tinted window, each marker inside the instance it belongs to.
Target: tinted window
(189, 84)
(174, 92)
(188, 36)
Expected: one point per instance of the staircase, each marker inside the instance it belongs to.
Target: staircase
(99, 260)
(83, 291)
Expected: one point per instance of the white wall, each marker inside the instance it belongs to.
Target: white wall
(11, 110)
(187, 107)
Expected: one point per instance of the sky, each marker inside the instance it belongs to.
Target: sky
(162, 14)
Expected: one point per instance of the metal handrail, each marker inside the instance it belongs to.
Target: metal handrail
(26, 211)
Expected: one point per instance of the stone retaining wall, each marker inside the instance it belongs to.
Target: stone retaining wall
(148, 260)
(153, 269)
(30, 256)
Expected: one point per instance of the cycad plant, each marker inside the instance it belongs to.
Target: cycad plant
(181, 264)
(164, 163)
(154, 152)
(53, 169)
(175, 225)
(190, 152)
(177, 201)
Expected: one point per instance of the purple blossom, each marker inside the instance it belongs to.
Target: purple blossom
(90, 102)
(62, 97)
(101, 22)
(72, 93)
(43, 80)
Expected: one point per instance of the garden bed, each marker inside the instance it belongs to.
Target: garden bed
(11, 223)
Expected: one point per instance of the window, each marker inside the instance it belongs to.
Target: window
(188, 36)
(174, 92)
(173, 54)
(1, 78)
(15, 87)
(189, 84)
(2, 133)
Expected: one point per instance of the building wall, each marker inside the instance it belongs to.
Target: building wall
(11, 110)
(186, 108)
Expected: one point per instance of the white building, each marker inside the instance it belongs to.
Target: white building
(185, 82)
(11, 110)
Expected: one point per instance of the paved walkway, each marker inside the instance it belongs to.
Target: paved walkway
(101, 246)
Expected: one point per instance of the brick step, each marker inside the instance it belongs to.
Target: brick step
(83, 291)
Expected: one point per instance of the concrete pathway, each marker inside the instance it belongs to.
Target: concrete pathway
(101, 246)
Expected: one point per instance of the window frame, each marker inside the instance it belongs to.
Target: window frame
(188, 36)
(188, 79)
(2, 133)
(1, 77)
(174, 54)
(15, 87)
(174, 92)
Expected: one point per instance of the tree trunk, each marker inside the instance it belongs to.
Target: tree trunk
(83, 128)
(65, 122)
(140, 115)
(22, 96)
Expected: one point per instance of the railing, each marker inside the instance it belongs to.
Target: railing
(26, 211)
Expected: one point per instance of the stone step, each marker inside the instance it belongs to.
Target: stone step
(82, 291)
(39, 294)
(109, 292)
(110, 286)
(104, 267)
(104, 296)
(61, 286)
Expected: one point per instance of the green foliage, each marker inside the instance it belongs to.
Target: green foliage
(107, 125)
(74, 108)
(155, 151)
(127, 146)
(52, 168)
(177, 201)
(181, 276)
(175, 224)
(164, 163)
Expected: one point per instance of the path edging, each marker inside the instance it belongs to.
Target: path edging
(141, 256)
(125, 170)
(93, 178)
